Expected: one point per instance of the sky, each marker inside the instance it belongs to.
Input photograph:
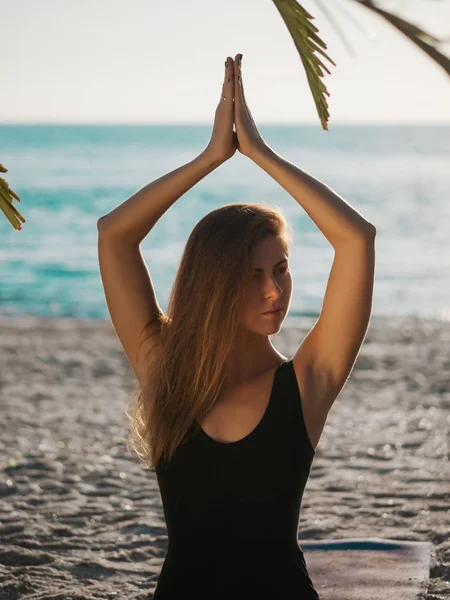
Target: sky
(162, 61)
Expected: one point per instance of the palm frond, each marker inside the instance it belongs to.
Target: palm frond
(6, 202)
(424, 40)
(306, 40)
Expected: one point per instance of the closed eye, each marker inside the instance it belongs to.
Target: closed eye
(281, 270)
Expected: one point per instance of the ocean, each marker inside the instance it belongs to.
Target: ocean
(67, 176)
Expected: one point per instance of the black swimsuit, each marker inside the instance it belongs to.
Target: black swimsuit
(232, 509)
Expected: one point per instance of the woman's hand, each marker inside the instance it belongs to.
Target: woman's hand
(248, 136)
(223, 142)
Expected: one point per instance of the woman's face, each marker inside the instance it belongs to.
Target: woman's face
(269, 286)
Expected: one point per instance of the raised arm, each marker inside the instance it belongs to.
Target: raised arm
(325, 358)
(134, 218)
(336, 219)
(129, 292)
(130, 296)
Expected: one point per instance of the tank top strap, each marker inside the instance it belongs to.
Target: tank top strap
(289, 406)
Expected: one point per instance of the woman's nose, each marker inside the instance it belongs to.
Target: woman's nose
(272, 286)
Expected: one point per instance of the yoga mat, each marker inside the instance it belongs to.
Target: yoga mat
(368, 568)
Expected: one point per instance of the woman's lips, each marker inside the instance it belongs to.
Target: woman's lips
(273, 313)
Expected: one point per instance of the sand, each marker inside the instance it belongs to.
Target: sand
(81, 518)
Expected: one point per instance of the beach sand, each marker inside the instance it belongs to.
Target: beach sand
(81, 518)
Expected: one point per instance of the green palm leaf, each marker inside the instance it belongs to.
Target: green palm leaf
(307, 42)
(6, 202)
(424, 40)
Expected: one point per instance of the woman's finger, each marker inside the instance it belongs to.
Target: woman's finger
(227, 88)
(239, 88)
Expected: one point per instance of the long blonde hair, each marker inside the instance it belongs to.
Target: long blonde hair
(202, 326)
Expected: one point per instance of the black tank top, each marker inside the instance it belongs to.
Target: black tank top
(232, 509)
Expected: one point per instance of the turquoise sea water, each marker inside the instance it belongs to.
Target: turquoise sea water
(397, 177)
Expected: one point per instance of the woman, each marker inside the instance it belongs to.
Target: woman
(230, 424)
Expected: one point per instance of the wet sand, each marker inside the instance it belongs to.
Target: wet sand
(81, 518)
